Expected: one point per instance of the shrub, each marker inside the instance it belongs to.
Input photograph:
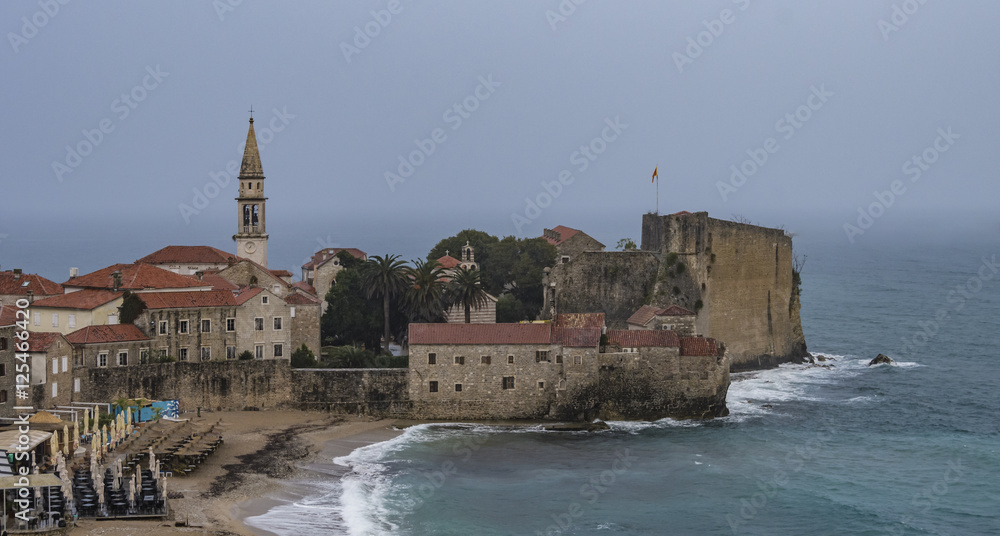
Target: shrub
(303, 358)
(246, 355)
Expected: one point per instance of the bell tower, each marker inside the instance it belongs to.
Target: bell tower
(251, 218)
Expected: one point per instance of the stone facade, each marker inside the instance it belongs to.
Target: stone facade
(174, 329)
(570, 242)
(487, 314)
(304, 312)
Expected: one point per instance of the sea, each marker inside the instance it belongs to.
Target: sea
(835, 448)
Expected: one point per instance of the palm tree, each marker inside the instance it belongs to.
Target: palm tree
(467, 290)
(384, 276)
(425, 299)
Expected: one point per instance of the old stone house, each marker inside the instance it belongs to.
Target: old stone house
(15, 285)
(120, 345)
(674, 317)
(189, 260)
(570, 242)
(322, 269)
(67, 313)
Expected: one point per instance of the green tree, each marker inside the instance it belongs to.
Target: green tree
(132, 306)
(303, 358)
(425, 299)
(385, 277)
(626, 244)
(246, 355)
(351, 317)
(480, 241)
(466, 290)
(510, 309)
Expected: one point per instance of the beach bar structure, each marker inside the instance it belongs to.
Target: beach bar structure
(38, 444)
(45, 503)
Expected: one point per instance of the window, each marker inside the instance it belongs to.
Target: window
(206, 353)
(230, 352)
(102, 359)
(432, 359)
(459, 359)
(541, 355)
(38, 319)
(263, 300)
(72, 321)
(55, 389)
(182, 354)
(291, 312)
(3, 369)
(55, 320)
(55, 365)
(206, 326)
(433, 386)
(277, 350)
(65, 363)
(565, 259)
(3, 396)
(559, 359)
(277, 323)
(577, 360)
(230, 324)
(485, 360)
(510, 360)
(258, 351)
(123, 358)
(163, 327)
(76, 385)
(143, 355)
(3, 343)
(258, 324)
(541, 385)
(458, 388)
(182, 326)
(508, 382)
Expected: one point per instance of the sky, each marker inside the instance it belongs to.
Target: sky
(390, 124)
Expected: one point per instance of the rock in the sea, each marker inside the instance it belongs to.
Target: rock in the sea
(595, 426)
(880, 359)
(821, 358)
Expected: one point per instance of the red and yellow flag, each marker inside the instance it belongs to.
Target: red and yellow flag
(655, 174)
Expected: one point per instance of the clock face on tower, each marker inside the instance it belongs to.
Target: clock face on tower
(250, 247)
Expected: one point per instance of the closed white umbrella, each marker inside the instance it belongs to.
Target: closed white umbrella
(66, 440)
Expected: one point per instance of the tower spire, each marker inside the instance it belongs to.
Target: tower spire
(251, 157)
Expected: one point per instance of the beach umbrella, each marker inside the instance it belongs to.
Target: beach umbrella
(76, 435)
(97, 411)
(86, 421)
(54, 443)
(66, 439)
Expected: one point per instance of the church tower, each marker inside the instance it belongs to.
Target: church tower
(251, 230)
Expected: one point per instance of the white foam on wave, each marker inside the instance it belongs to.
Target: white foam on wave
(635, 427)
(751, 393)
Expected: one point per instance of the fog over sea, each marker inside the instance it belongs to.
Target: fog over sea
(912, 448)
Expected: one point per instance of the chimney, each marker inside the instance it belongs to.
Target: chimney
(116, 276)
(200, 275)
(17, 274)
(73, 272)
(31, 296)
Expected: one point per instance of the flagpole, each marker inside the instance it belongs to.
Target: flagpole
(657, 194)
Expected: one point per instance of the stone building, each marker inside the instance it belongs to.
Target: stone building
(137, 277)
(321, 271)
(570, 242)
(120, 345)
(15, 285)
(251, 216)
(67, 313)
(304, 311)
(8, 363)
(675, 318)
(51, 370)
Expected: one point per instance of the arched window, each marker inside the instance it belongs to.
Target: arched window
(246, 214)
(254, 218)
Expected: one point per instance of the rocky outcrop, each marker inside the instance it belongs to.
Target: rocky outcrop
(880, 360)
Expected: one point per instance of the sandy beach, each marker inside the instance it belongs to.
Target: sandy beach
(263, 453)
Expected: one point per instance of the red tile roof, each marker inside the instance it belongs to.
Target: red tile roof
(245, 293)
(579, 320)
(324, 255)
(177, 300)
(676, 310)
(448, 262)
(305, 286)
(188, 255)
(105, 334)
(216, 281)
(559, 234)
(134, 277)
(281, 273)
(577, 337)
(698, 346)
(643, 338)
(40, 342)
(19, 285)
(300, 298)
(8, 316)
(86, 299)
(480, 333)
(646, 313)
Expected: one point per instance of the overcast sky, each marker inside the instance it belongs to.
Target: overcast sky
(839, 96)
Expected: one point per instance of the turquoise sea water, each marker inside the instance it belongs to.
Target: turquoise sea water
(912, 448)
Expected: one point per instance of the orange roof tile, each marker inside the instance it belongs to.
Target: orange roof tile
(106, 334)
(643, 315)
(178, 300)
(305, 286)
(19, 285)
(188, 255)
(675, 310)
(134, 277)
(245, 293)
(577, 337)
(559, 234)
(698, 346)
(480, 333)
(281, 273)
(448, 262)
(643, 338)
(300, 298)
(40, 342)
(579, 320)
(8, 315)
(86, 299)
(323, 255)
